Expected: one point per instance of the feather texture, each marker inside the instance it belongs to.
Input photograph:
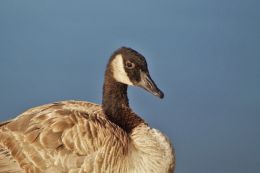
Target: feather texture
(75, 136)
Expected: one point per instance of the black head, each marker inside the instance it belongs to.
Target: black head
(130, 67)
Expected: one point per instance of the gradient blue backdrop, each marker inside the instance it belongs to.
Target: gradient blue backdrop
(204, 54)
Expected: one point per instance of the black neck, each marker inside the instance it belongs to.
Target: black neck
(116, 106)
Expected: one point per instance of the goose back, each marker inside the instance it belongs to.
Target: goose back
(58, 135)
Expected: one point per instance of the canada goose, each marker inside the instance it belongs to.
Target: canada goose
(83, 137)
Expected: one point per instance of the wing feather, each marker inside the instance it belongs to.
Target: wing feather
(61, 136)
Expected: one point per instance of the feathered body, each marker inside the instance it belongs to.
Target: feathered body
(83, 137)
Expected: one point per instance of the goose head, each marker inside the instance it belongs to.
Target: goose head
(129, 67)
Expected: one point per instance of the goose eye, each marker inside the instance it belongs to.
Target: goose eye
(130, 65)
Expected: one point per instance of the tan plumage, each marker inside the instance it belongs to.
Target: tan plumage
(77, 137)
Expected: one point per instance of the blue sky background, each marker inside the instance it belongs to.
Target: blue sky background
(204, 54)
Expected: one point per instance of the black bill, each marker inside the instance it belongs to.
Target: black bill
(148, 84)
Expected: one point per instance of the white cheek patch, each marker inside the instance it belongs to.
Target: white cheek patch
(119, 71)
